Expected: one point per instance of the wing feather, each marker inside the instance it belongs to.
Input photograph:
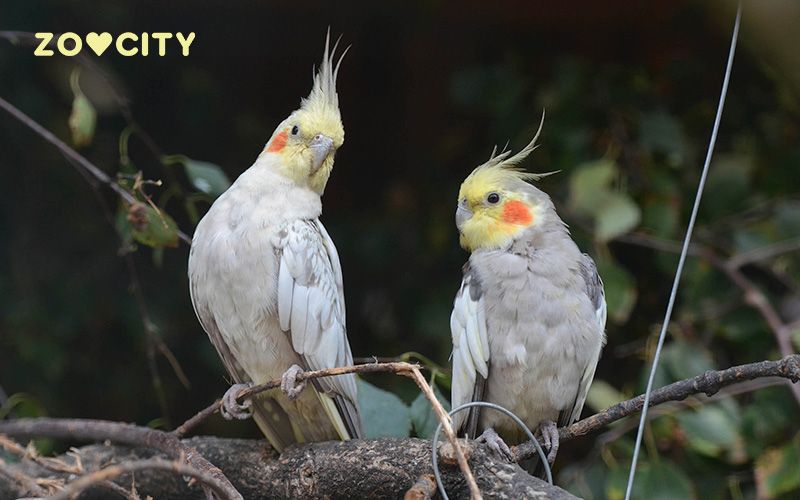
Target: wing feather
(310, 280)
(594, 290)
(470, 347)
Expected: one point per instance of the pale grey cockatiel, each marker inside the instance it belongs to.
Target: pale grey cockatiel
(266, 282)
(528, 321)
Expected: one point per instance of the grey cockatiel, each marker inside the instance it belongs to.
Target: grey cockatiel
(528, 321)
(266, 282)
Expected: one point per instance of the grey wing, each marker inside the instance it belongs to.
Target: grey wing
(470, 350)
(311, 310)
(594, 290)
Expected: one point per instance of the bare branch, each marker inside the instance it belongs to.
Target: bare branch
(398, 368)
(708, 383)
(128, 434)
(75, 157)
(72, 489)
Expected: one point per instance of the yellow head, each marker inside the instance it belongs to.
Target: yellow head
(496, 204)
(307, 140)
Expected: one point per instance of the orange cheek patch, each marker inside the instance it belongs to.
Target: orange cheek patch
(278, 143)
(516, 212)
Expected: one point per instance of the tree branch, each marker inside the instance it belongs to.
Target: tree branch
(708, 383)
(76, 158)
(127, 434)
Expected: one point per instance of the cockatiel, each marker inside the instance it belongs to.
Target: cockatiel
(528, 321)
(266, 282)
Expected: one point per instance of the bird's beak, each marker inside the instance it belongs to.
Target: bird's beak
(321, 146)
(463, 214)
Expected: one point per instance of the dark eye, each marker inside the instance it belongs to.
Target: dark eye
(295, 130)
(493, 198)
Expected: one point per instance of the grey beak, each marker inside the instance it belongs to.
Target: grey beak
(321, 146)
(463, 214)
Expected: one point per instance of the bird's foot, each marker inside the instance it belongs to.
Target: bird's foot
(289, 384)
(496, 444)
(549, 433)
(232, 409)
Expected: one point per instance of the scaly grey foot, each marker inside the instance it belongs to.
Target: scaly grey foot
(232, 409)
(549, 433)
(289, 384)
(496, 444)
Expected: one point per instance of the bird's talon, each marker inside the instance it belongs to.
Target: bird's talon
(231, 408)
(496, 444)
(549, 433)
(289, 384)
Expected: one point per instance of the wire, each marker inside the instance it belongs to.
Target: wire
(484, 404)
(684, 252)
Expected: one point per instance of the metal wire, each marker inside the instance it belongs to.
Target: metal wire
(484, 404)
(684, 252)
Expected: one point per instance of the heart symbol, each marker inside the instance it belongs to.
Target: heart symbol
(98, 43)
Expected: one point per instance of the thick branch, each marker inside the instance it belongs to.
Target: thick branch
(708, 383)
(381, 468)
(127, 434)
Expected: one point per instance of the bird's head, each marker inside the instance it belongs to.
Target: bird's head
(496, 203)
(306, 141)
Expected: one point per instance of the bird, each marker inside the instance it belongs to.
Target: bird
(266, 281)
(528, 321)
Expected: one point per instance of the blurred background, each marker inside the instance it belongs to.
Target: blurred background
(95, 317)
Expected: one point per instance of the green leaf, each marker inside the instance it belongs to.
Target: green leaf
(149, 227)
(83, 118)
(382, 413)
(777, 470)
(686, 360)
(662, 133)
(616, 215)
(588, 185)
(207, 177)
(710, 429)
(422, 416)
(662, 481)
(620, 288)
(603, 395)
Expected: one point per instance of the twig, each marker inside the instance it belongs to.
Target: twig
(57, 465)
(398, 368)
(76, 157)
(753, 296)
(765, 252)
(708, 383)
(72, 489)
(100, 430)
(27, 483)
(423, 489)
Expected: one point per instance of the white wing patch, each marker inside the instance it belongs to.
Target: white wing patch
(311, 303)
(470, 344)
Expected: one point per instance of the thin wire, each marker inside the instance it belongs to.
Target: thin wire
(684, 252)
(484, 404)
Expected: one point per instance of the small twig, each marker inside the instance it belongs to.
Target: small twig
(27, 483)
(72, 489)
(128, 434)
(74, 156)
(398, 368)
(765, 252)
(708, 383)
(447, 426)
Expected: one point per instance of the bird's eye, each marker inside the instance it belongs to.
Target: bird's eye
(493, 198)
(295, 130)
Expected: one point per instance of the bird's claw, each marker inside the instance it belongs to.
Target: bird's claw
(231, 408)
(549, 433)
(496, 444)
(289, 384)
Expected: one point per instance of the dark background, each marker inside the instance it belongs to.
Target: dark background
(426, 90)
